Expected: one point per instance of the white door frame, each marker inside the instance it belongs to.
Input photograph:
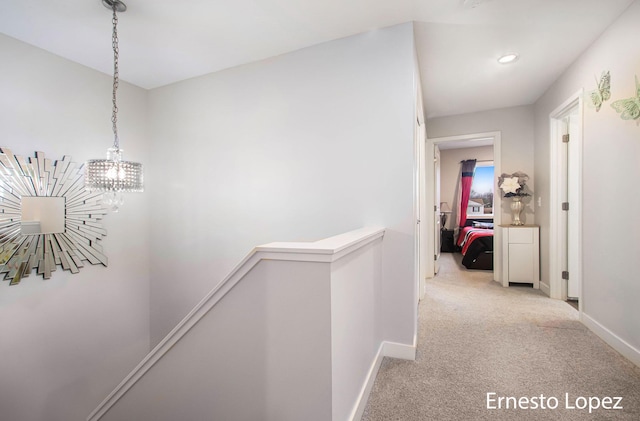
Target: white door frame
(421, 228)
(557, 287)
(420, 176)
(497, 197)
(436, 239)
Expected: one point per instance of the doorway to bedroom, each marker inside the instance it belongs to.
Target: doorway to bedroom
(443, 195)
(467, 227)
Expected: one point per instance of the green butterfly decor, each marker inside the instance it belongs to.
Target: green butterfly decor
(603, 93)
(630, 107)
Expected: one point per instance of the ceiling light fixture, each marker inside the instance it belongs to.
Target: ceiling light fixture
(113, 176)
(471, 4)
(508, 58)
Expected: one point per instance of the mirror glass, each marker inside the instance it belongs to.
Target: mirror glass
(42, 215)
(47, 217)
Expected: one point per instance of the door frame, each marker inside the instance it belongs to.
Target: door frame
(497, 197)
(437, 239)
(420, 176)
(557, 288)
(420, 210)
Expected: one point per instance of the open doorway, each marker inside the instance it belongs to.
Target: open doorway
(435, 198)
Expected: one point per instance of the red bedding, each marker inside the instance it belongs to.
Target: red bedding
(468, 234)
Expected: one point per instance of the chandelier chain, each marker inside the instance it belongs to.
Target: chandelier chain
(113, 175)
(116, 78)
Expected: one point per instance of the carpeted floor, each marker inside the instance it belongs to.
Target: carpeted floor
(476, 337)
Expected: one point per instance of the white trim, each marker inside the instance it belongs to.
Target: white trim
(497, 198)
(386, 349)
(613, 340)
(544, 287)
(327, 250)
(335, 247)
(363, 397)
(420, 136)
(400, 351)
(557, 287)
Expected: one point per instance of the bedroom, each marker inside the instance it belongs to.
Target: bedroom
(475, 240)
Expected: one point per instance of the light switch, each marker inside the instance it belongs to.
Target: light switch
(539, 201)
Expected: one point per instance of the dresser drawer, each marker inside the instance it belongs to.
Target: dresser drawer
(520, 235)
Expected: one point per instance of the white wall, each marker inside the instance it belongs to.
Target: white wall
(297, 147)
(355, 339)
(248, 358)
(66, 342)
(450, 174)
(516, 125)
(301, 146)
(611, 147)
(292, 317)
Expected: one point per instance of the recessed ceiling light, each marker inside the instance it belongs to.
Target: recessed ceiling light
(471, 4)
(508, 58)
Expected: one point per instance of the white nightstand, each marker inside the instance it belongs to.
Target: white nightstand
(521, 254)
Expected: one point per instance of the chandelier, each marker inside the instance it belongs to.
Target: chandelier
(113, 176)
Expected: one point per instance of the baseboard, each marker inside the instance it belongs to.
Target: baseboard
(396, 350)
(386, 349)
(616, 342)
(544, 287)
(363, 398)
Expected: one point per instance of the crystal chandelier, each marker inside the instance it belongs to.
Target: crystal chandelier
(113, 176)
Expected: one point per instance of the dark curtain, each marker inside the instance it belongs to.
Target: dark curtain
(466, 178)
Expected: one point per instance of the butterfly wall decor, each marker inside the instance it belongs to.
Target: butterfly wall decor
(603, 93)
(629, 108)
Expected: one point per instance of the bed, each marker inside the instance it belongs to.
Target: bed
(476, 245)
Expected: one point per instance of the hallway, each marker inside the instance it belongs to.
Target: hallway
(476, 337)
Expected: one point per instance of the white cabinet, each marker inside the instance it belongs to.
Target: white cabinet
(521, 254)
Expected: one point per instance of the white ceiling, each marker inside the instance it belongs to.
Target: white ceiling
(163, 41)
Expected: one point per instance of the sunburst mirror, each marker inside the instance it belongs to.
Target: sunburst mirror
(47, 217)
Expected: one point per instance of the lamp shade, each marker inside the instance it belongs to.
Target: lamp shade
(114, 174)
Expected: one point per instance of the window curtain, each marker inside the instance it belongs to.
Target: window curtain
(466, 179)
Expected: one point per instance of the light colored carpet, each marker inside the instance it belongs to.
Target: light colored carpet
(477, 337)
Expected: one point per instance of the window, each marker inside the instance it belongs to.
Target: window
(481, 197)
